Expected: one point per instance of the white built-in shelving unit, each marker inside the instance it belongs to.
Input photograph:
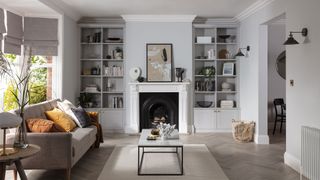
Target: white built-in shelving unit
(215, 118)
(97, 52)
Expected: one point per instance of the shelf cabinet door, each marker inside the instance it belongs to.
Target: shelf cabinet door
(204, 120)
(111, 120)
(224, 119)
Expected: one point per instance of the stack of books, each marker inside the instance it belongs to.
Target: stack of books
(91, 88)
(226, 104)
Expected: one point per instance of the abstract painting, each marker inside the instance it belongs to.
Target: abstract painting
(159, 62)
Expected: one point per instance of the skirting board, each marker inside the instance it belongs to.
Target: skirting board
(292, 161)
(112, 131)
(261, 139)
(131, 130)
(213, 131)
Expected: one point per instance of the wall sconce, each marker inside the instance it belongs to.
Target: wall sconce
(291, 40)
(240, 52)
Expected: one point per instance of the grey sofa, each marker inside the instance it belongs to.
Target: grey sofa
(59, 150)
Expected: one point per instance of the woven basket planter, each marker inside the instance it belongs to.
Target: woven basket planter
(242, 131)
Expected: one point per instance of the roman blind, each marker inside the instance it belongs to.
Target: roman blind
(13, 39)
(2, 27)
(41, 34)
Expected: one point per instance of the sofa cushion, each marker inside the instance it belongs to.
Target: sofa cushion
(82, 116)
(66, 106)
(61, 118)
(82, 139)
(43, 125)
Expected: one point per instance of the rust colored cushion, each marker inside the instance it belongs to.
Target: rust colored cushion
(94, 116)
(43, 125)
(61, 119)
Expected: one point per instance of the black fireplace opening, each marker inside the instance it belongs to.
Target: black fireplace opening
(158, 107)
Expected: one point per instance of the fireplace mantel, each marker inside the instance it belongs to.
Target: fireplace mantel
(183, 88)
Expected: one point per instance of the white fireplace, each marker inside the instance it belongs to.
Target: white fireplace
(184, 106)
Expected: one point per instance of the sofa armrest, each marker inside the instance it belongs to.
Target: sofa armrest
(55, 153)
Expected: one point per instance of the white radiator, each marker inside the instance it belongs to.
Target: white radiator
(310, 152)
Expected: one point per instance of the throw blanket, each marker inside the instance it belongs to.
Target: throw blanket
(95, 121)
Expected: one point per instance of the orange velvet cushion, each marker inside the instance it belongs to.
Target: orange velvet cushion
(43, 125)
(61, 119)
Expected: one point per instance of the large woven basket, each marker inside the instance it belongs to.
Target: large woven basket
(242, 131)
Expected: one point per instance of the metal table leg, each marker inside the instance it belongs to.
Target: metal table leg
(141, 157)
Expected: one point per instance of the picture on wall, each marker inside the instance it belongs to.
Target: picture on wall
(159, 62)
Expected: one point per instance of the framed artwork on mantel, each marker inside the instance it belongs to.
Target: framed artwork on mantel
(159, 62)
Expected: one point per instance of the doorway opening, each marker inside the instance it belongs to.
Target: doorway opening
(276, 80)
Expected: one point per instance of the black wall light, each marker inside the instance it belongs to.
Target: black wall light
(240, 52)
(291, 40)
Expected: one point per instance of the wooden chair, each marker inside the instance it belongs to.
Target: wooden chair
(280, 109)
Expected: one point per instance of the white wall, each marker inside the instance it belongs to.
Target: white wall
(302, 66)
(70, 59)
(139, 33)
(276, 84)
(249, 82)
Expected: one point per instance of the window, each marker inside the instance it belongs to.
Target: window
(40, 83)
(7, 100)
(41, 36)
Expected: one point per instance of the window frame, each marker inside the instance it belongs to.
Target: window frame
(18, 64)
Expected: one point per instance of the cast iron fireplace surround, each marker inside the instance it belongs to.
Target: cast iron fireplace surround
(158, 107)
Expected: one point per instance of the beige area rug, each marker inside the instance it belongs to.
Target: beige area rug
(88, 167)
(199, 164)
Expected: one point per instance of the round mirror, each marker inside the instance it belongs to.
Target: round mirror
(281, 64)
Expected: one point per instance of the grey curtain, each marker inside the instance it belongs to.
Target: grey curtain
(2, 27)
(13, 39)
(41, 34)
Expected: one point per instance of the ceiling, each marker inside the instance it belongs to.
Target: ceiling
(27, 8)
(202, 8)
(115, 8)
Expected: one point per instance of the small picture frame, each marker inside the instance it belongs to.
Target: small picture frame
(159, 62)
(228, 69)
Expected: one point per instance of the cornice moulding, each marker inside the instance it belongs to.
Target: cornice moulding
(217, 21)
(101, 20)
(158, 18)
(252, 9)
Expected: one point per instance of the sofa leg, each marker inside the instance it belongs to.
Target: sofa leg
(15, 174)
(68, 174)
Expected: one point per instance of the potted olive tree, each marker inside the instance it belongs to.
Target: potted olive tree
(86, 100)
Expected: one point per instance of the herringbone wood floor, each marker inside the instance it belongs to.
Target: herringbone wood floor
(239, 161)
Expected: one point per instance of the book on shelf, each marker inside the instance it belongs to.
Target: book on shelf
(117, 102)
(113, 71)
